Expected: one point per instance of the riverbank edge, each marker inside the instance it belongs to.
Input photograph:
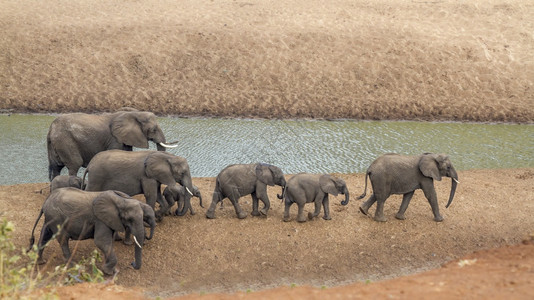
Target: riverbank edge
(180, 116)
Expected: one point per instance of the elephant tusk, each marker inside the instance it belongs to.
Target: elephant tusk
(456, 180)
(136, 242)
(189, 191)
(168, 146)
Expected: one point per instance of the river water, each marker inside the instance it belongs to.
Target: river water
(294, 145)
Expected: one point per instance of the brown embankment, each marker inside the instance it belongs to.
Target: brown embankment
(383, 59)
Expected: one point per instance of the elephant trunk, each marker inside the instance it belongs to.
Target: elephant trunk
(186, 207)
(347, 197)
(281, 196)
(139, 239)
(454, 184)
(152, 227)
(200, 200)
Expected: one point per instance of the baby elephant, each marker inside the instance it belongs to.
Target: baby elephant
(71, 213)
(176, 193)
(305, 188)
(65, 181)
(401, 174)
(236, 181)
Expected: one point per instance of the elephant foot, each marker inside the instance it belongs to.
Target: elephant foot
(364, 210)
(400, 217)
(264, 212)
(310, 216)
(127, 242)
(210, 215)
(287, 219)
(327, 218)
(438, 219)
(241, 215)
(301, 219)
(255, 213)
(110, 271)
(380, 219)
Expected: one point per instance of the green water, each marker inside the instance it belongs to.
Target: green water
(294, 145)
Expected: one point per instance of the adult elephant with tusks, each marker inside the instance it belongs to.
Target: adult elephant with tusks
(74, 214)
(401, 174)
(239, 180)
(140, 172)
(74, 139)
(305, 188)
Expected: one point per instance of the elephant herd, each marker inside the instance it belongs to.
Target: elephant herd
(99, 205)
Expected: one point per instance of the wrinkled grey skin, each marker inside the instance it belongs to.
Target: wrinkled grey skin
(93, 215)
(177, 193)
(401, 174)
(306, 188)
(139, 172)
(73, 139)
(238, 180)
(65, 181)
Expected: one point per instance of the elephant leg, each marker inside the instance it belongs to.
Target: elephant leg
(326, 207)
(239, 212)
(404, 205)
(317, 203)
(104, 241)
(46, 236)
(286, 210)
(431, 196)
(127, 236)
(379, 213)
(210, 214)
(150, 190)
(64, 243)
(364, 208)
(262, 195)
(300, 215)
(255, 204)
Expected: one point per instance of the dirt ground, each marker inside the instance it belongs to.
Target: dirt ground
(350, 255)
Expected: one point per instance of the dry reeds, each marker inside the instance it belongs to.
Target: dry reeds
(382, 59)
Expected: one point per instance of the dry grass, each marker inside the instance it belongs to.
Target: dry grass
(380, 59)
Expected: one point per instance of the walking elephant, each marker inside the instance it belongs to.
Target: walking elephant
(71, 213)
(401, 174)
(73, 139)
(236, 181)
(140, 172)
(65, 181)
(177, 193)
(304, 188)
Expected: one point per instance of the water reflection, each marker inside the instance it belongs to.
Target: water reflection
(294, 145)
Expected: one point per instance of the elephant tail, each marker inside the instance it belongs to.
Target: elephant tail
(365, 188)
(32, 238)
(217, 193)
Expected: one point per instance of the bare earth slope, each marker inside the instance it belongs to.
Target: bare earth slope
(380, 59)
(195, 255)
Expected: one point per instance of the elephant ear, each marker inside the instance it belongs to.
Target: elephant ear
(127, 128)
(328, 184)
(264, 174)
(106, 208)
(158, 166)
(428, 165)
